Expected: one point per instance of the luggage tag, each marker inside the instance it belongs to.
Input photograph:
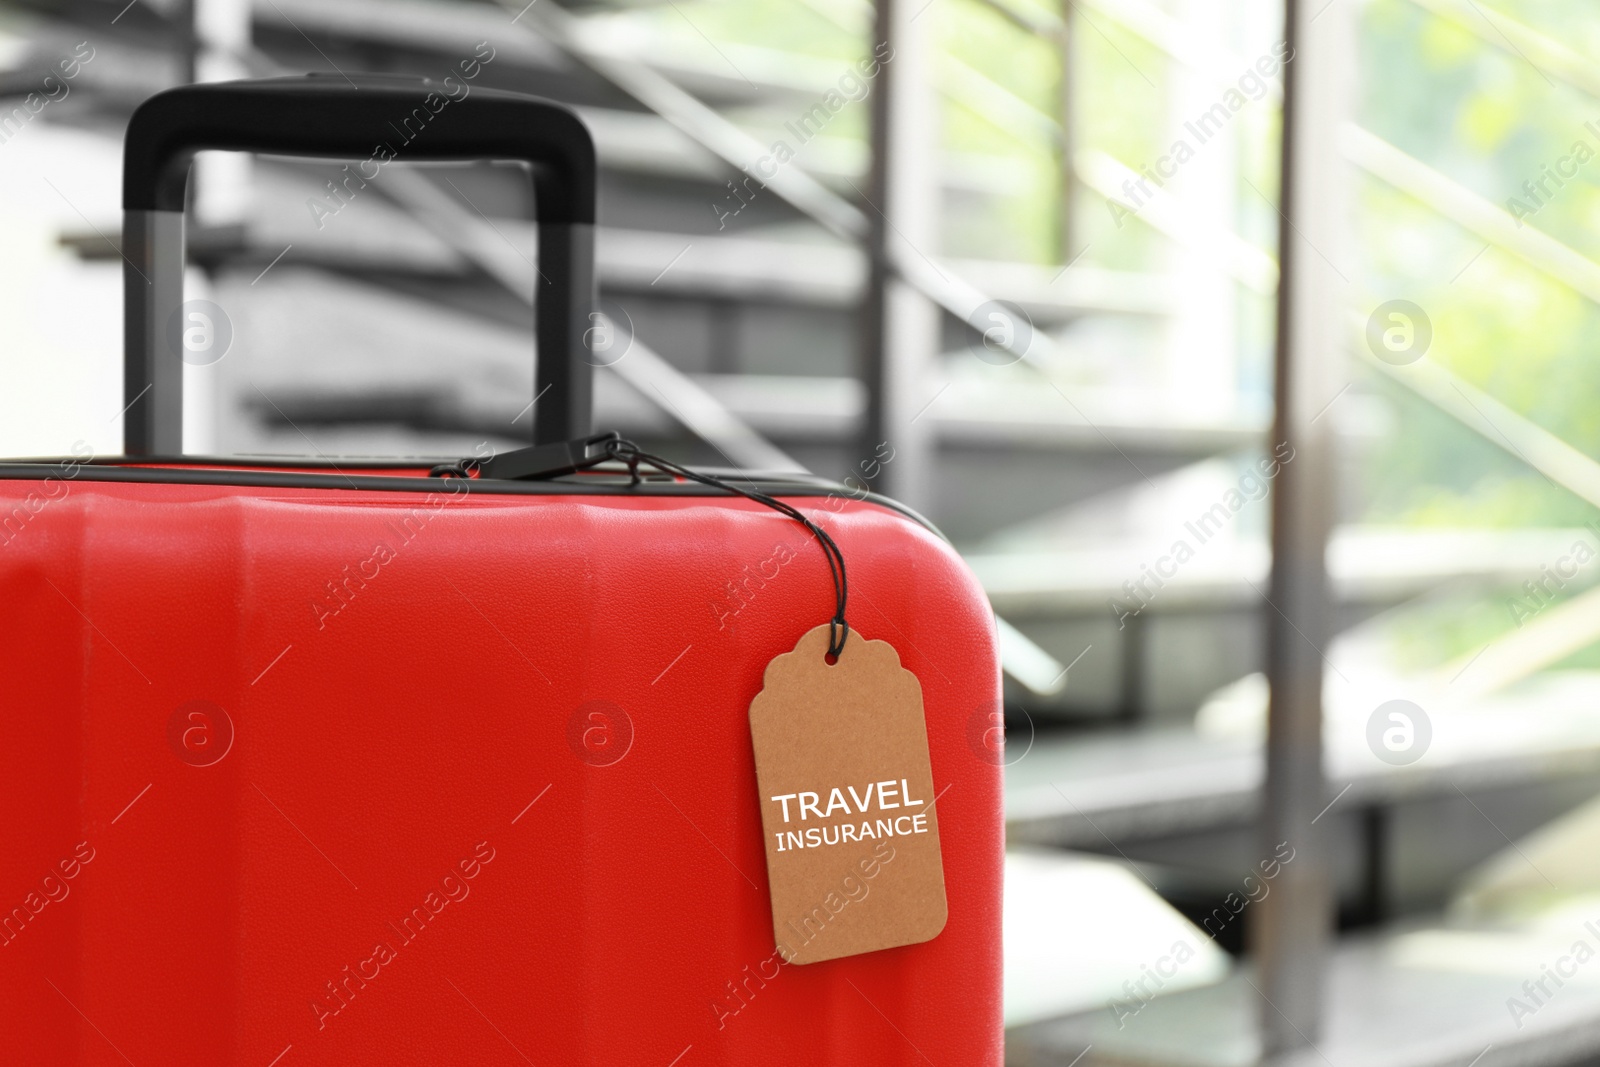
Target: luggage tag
(847, 801)
(841, 748)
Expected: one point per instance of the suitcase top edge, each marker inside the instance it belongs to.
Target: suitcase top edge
(411, 476)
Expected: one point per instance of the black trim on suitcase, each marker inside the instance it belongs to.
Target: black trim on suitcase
(205, 471)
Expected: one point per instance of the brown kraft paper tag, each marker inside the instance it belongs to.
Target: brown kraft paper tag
(847, 801)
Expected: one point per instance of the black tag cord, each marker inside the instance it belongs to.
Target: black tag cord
(838, 629)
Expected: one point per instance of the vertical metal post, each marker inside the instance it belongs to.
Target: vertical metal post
(1066, 144)
(1134, 639)
(1375, 844)
(1293, 924)
(900, 327)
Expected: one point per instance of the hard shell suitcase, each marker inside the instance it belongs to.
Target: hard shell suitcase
(304, 764)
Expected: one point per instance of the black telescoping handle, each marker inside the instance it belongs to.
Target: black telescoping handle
(376, 120)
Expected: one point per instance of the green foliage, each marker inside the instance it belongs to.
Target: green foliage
(1439, 630)
(1490, 121)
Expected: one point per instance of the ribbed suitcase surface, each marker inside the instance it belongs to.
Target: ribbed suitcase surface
(417, 848)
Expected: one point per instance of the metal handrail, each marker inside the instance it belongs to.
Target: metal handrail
(791, 182)
(1560, 630)
(1466, 208)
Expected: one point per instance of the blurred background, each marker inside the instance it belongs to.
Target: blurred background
(1016, 264)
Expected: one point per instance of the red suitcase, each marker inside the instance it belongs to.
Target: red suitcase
(312, 765)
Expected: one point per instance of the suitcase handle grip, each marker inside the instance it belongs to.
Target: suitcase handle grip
(375, 119)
